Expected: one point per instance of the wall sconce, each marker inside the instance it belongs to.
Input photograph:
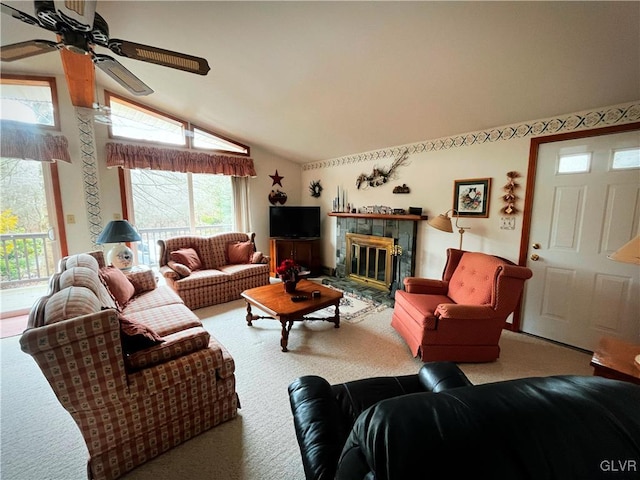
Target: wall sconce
(443, 222)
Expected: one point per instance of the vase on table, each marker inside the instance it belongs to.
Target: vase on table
(290, 285)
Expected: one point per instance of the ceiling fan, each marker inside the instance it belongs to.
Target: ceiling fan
(79, 29)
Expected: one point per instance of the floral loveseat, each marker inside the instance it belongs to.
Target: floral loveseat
(210, 270)
(129, 361)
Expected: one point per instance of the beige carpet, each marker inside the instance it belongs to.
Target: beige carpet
(40, 441)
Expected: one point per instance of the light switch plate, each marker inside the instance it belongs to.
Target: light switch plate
(507, 223)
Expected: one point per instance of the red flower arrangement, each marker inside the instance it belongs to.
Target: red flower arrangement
(288, 270)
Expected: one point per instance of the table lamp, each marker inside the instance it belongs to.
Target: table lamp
(119, 231)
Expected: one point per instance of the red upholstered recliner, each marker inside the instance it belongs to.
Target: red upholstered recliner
(459, 318)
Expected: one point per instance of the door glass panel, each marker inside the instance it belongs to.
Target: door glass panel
(575, 163)
(627, 158)
(29, 254)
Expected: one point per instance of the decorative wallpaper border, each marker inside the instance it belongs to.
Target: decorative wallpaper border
(90, 173)
(607, 116)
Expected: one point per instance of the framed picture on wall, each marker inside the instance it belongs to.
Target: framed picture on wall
(471, 197)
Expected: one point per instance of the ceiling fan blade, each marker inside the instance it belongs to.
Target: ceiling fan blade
(120, 74)
(78, 14)
(159, 56)
(7, 10)
(30, 48)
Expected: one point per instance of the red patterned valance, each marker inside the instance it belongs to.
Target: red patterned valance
(32, 144)
(138, 156)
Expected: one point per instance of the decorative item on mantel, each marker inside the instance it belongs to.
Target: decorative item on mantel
(288, 272)
(382, 209)
(339, 207)
(402, 189)
(379, 175)
(315, 188)
(510, 197)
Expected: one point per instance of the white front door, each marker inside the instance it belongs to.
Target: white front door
(585, 207)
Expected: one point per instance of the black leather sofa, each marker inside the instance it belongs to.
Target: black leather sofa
(436, 424)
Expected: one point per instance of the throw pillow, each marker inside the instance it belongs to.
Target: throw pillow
(119, 286)
(188, 257)
(136, 336)
(240, 252)
(257, 257)
(179, 268)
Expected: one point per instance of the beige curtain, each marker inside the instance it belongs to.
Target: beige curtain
(137, 156)
(242, 219)
(32, 144)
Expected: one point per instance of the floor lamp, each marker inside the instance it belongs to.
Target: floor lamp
(443, 222)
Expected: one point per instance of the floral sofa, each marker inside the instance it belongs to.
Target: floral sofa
(129, 361)
(210, 270)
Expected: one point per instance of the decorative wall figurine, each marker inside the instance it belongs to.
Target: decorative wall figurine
(510, 196)
(402, 189)
(277, 179)
(315, 188)
(277, 197)
(381, 175)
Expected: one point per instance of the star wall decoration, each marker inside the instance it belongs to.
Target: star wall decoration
(277, 179)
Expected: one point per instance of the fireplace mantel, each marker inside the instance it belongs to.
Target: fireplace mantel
(382, 216)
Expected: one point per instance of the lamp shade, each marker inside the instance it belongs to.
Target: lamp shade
(118, 231)
(441, 222)
(628, 253)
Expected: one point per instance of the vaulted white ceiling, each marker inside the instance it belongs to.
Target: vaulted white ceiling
(316, 80)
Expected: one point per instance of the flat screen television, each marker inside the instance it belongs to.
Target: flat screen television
(294, 222)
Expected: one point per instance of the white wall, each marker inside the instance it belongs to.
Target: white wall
(266, 164)
(430, 176)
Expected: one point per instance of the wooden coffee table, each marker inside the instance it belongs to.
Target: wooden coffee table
(273, 300)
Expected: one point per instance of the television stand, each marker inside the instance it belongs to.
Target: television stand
(304, 251)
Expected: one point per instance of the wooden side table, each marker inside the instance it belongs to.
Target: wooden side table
(616, 359)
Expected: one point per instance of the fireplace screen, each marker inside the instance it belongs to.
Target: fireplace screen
(370, 260)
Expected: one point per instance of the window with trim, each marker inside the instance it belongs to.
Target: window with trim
(168, 203)
(31, 100)
(134, 121)
(29, 249)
